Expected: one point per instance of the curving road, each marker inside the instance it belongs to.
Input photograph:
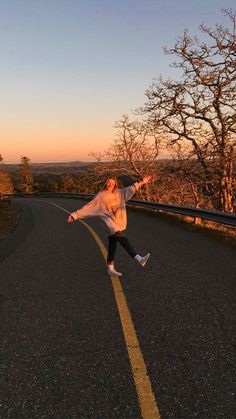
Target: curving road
(63, 351)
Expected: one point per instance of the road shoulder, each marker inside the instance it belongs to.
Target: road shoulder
(10, 214)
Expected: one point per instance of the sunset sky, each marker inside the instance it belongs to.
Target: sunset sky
(71, 68)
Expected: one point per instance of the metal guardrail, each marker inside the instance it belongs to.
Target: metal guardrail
(215, 216)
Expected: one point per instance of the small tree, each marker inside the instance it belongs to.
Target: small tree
(25, 176)
(68, 183)
(6, 186)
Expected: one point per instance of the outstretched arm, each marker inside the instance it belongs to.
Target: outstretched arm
(129, 191)
(144, 181)
(91, 209)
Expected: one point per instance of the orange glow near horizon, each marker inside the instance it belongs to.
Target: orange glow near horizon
(53, 144)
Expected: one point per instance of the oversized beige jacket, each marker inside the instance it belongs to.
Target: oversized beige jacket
(110, 207)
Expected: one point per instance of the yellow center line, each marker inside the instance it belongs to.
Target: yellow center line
(147, 402)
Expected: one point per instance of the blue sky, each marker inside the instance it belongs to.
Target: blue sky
(70, 69)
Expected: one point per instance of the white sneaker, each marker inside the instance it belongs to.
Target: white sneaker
(142, 259)
(111, 271)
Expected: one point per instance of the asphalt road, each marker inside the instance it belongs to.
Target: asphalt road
(63, 353)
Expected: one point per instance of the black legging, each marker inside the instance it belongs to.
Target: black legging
(112, 245)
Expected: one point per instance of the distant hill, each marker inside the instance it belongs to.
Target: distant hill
(55, 167)
(71, 167)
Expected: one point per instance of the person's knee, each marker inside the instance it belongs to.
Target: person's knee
(119, 234)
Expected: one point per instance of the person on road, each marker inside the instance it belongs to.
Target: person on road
(109, 205)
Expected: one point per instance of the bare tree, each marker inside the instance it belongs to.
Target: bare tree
(200, 109)
(133, 153)
(186, 178)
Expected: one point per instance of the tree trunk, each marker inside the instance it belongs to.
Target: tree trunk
(226, 192)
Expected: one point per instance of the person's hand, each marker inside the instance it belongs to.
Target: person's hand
(147, 179)
(70, 219)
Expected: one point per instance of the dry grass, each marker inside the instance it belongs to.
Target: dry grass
(9, 216)
(221, 228)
